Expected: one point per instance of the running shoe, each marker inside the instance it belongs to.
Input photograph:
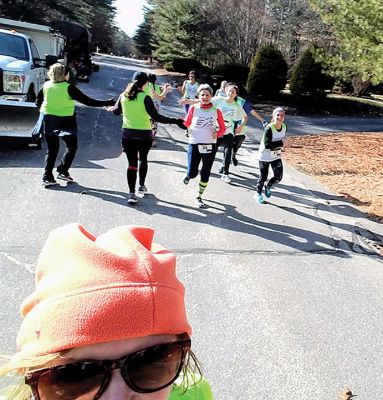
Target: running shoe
(65, 177)
(142, 189)
(259, 198)
(226, 178)
(235, 161)
(186, 180)
(132, 198)
(49, 181)
(267, 191)
(200, 203)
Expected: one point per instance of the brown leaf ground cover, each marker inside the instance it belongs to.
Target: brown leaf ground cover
(349, 164)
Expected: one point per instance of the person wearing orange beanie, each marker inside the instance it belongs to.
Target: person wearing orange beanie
(106, 321)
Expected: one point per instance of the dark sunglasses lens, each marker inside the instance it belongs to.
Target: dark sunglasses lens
(70, 382)
(154, 369)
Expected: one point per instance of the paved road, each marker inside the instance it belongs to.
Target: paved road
(285, 299)
(315, 125)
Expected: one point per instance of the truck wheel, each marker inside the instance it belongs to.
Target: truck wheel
(31, 97)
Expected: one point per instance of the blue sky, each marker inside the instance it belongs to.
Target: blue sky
(129, 14)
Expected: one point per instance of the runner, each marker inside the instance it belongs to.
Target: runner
(202, 120)
(56, 100)
(137, 109)
(157, 94)
(189, 89)
(222, 90)
(240, 137)
(270, 150)
(231, 112)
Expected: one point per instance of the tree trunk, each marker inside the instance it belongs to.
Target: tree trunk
(360, 86)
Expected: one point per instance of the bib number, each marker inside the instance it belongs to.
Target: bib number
(276, 152)
(205, 148)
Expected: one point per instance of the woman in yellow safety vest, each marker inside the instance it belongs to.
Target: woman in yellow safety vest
(137, 109)
(56, 100)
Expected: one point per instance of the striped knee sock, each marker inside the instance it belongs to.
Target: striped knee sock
(201, 188)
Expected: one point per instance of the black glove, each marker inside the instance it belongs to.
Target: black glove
(179, 122)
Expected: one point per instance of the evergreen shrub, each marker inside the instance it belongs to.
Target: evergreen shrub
(308, 76)
(268, 72)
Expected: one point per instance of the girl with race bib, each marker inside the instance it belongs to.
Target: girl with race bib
(270, 153)
(231, 112)
(239, 138)
(202, 120)
(189, 89)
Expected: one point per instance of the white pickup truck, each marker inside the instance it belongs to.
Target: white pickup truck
(26, 50)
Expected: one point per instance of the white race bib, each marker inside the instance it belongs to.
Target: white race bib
(276, 153)
(205, 148)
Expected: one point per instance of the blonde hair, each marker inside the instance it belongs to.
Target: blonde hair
(16, 367)
(56, 72)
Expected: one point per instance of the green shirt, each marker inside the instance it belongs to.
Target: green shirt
(199, 391)
(57, 100)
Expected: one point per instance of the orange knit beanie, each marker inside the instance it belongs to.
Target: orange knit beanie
(90, 289)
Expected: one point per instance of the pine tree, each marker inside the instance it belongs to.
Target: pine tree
(358, 28)
(268, 72)
(308, 76)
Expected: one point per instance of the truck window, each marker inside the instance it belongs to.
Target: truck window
(13, 46)
(35, 52)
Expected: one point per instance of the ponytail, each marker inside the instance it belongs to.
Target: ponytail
(131, 91)
(136, 86)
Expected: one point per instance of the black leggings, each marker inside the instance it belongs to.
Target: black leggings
(227, 142)
(194, 159)
(136, 150)
(53, 144)
(277, 167)
(237, 142)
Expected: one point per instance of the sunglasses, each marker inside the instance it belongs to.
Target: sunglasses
(145, 371)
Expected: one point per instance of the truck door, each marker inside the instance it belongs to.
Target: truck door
(39, 67)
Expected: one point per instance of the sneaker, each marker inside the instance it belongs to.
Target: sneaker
(200, 203)
(132, 198)
(259, 198)
(186, 180)
(65, 177)
(142, 189)
(235, 161)
(267, 191)
(226, 178)
(49, 182)
(220, 170)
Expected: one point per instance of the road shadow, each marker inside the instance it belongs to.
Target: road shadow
(111, 196)
(231, 220)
